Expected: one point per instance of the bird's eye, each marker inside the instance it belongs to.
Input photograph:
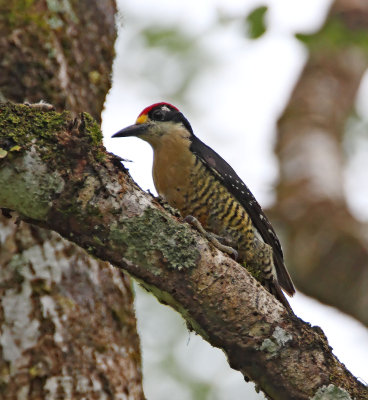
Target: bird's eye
(158, 115)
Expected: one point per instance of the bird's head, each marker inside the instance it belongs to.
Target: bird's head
(156, 122)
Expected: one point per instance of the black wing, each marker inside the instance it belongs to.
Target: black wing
(240, 191)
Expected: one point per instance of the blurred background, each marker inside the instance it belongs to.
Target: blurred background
(280, 90)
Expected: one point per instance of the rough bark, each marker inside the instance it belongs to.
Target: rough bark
(67, 324)
(325, 248)
(77, 189)
(65, 331)
(60, 52)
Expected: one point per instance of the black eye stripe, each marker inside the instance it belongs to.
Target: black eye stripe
(162, 114)
(158, 115)
(165, 113)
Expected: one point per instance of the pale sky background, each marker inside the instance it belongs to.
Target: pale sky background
(245, 88)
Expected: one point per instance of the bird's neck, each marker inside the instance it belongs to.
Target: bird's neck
(172, 163)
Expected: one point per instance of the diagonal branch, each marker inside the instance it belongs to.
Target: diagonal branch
(55, 173)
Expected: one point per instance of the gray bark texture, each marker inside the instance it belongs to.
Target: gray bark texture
(67, 323)
(87, 196)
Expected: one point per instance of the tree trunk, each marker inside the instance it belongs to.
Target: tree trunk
(60, 52)
(67, 324)
(325, 249)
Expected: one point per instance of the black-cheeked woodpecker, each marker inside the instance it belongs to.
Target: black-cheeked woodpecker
(193, 178)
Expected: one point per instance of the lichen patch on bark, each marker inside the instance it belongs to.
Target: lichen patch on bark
(147, 236)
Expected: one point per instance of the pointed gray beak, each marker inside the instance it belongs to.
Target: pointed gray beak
(132, 130)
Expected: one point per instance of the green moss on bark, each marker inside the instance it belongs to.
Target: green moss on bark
(147, 236)
(27, 186)
(93, 130)
(18, 14)
(44, 135)
(335, 35)
(23, 125)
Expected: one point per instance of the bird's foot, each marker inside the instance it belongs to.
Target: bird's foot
(216, 240)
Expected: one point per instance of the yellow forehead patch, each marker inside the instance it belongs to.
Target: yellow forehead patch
(141, 119)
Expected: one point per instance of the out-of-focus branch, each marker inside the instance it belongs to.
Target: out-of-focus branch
(60, 177)
(325, 249)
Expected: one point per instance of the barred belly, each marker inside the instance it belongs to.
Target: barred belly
(217, 210)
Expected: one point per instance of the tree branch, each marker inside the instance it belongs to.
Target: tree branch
(55, 173)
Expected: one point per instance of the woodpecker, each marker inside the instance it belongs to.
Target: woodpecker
(193, 178)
